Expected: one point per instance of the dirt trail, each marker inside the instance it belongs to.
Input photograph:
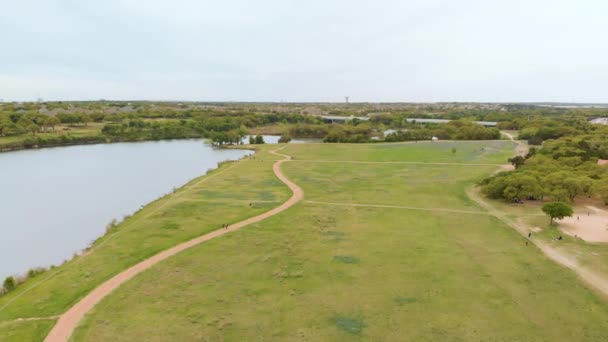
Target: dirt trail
(521, 149)
(70, 319)
(460, 211)
(391, 162)
(593, 278)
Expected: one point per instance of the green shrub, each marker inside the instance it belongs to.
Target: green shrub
(9, 284)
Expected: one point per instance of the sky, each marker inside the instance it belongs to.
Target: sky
(305, 51)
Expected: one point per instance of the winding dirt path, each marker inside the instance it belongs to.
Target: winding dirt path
(70, 319)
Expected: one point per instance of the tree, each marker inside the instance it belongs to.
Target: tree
(517, 161)
(24, 122)
(33, 128)
(259, 139)
(242, 133)
(557, 210)
(453, 150)
(51, 121)
(285, 138)
(85, 119)
(9, 284)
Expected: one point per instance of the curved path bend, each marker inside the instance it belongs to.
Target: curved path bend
(70, 319)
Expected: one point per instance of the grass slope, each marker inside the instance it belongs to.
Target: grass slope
(326, 272)
(201, 206)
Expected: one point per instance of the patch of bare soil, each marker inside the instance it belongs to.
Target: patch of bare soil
(588, 223)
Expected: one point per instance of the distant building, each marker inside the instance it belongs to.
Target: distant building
(602, 162)
(342, 119)
(600, 121)
(442, 121)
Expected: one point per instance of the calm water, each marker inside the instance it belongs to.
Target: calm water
(55, 201)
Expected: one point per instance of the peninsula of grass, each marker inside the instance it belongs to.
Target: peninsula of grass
(381, 248)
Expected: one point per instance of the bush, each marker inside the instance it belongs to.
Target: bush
(9, 284)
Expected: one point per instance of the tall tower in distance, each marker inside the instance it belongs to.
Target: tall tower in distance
(346, 99)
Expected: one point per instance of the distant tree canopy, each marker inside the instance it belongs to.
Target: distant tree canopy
(223, 123)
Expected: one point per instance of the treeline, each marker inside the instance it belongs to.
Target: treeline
(53, 140)
(138, 129)
(561, 170)
(16, 124)
(334, 133)
(453, 130)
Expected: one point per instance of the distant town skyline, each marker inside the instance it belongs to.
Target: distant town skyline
(315, 51)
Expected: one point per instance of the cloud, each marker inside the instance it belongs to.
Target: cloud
(468, 50)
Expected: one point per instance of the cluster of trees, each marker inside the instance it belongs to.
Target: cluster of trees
(333, 133)
(138, 129)
(232, 136)
(256, 140)
(537, 131)
(16, 123)
(84, 119)
(561, 170)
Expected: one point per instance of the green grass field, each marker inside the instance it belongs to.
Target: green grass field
(323, 271)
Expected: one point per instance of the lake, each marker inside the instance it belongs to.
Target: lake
(56, 201)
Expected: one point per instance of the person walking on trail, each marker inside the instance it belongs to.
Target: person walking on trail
(529, 235)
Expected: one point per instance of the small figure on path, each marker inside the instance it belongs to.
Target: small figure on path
(578, 218)
(529, 235)
(560, 237)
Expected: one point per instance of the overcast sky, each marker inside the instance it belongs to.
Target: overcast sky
(314, 50)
